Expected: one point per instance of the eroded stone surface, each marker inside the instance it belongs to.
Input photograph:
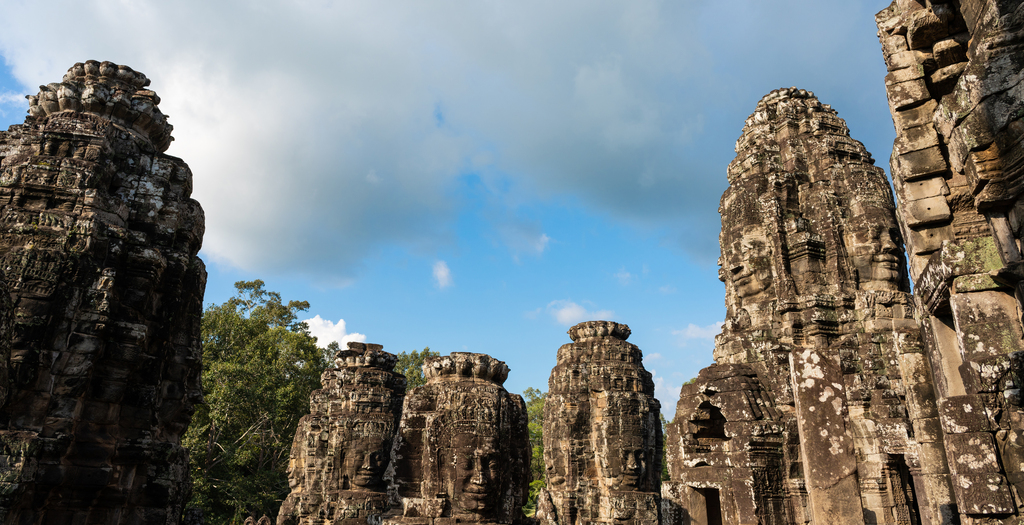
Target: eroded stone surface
(602, 432)
(342, 448)
(98, 241)
(804, 415)
(957, 169)
(464, 451)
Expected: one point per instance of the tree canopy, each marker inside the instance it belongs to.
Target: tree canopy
(410, 364)
(535, 417)
(260, 364)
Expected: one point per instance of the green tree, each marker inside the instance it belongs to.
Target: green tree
(260, 364)
(535, 417)
(664, 448)
(535, 414)
(410, 364)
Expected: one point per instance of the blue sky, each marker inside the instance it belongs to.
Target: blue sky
(469, 176)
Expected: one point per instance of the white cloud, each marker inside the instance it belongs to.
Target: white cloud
(624, 277)
(667, 289)
(652, 357)
(12, 103)
(668, 393)
(569, 313)
(442, 275)
(522, 238)
(326, 331)
(693, 331)
(357, 120)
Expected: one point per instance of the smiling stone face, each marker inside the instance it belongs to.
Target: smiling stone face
(474, 474)
(364, 463)
(747, 264)
(465, 445)
(874, 244)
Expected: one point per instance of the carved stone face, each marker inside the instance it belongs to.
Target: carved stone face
(364, 464)
(874, 251)
(747, 263)
(475, 474)
(628, 468)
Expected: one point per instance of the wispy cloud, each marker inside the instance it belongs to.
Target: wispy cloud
(667, 392)
(667, 289)
(12, 102)
(624, 277)
(693, 331)
(522, 238)
(442, 275)
(568, 313)
(326, 331)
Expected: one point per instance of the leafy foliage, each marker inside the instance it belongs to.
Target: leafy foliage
(664, 449)
(410, 364)
(535, 415)
(259, 366)
(530, 509)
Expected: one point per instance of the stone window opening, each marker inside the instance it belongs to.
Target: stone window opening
(709, 423)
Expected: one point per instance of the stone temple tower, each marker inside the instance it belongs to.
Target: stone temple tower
(463, 451)
(343, 446)
(809, 412)
(955, 92)
(98, 241)
(602, 432)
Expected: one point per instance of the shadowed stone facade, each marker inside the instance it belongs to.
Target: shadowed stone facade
(98, 241)
(602, 432)
(463, 454)
(806, 415)
(342, 448)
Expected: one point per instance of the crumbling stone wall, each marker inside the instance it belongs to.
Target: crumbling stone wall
(809, 413)
(98, 240)
(602, 432)
(955, 93)
(463, 452)
(342, 448)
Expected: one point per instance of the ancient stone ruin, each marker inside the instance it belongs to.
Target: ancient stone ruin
(463, 452)
(602, 432)
(804, 417)
(342, 448)
(98, 243)
(836, 395)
